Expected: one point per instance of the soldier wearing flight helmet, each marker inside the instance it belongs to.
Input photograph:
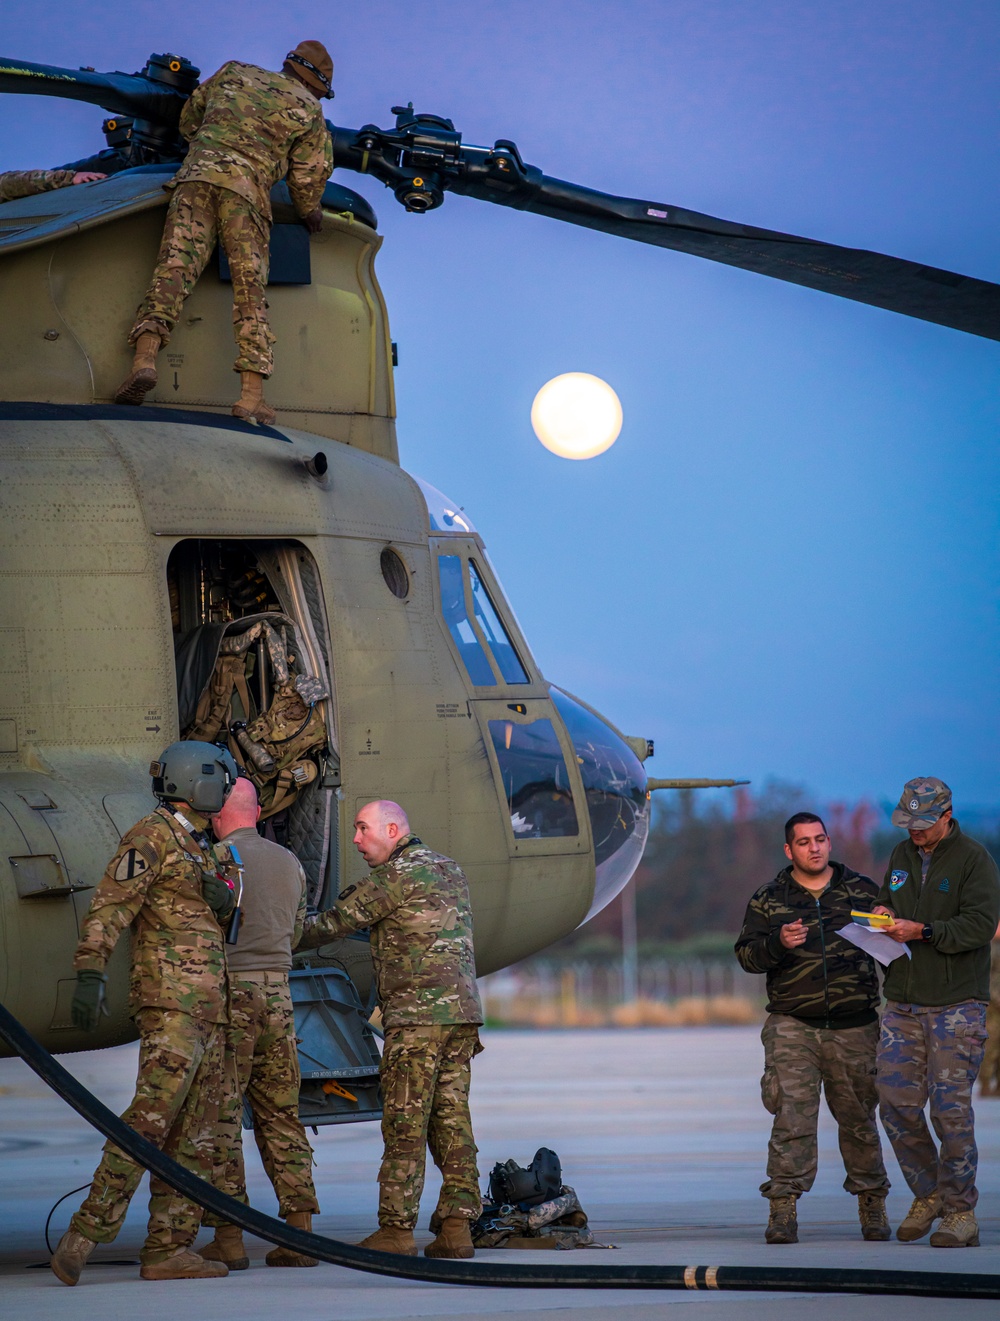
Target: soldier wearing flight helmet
(168, 884)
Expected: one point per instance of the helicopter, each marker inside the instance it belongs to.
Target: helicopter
(176, 521)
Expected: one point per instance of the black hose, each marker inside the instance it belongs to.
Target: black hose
(751, 1279)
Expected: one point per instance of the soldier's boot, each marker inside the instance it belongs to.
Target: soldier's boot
(142, 378)
(71, 1255)
(183, 1265)
(288, 1256)
(454, 1239)
(782, 1223)
(251, 407)
(391, 1239)
(958, 1229)
(918, 1220)
(227, 1247)
(875, 1227)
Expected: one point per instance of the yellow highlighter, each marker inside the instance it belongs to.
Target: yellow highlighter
(877, 921)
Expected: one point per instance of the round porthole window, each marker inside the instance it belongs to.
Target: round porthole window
(394, 572)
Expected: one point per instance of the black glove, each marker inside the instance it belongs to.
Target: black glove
(88, 1006)
(218, 895)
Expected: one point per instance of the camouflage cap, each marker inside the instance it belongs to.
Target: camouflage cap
(922, 803)
(310, 61)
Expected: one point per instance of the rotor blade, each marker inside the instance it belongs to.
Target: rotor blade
(959, 301)
(120, 93)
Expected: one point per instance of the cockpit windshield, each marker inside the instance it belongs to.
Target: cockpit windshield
(456, 616)
(494, 631)
(444, 514)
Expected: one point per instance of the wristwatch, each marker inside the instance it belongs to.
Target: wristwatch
(926, 931)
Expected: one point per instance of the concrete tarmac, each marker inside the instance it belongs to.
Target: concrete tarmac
(661, 1132)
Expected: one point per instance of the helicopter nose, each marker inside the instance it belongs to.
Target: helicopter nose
(614, 783)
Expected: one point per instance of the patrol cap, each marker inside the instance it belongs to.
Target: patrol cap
(311, 61)
(922, 802)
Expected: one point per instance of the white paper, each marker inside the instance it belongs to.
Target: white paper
(876, 943)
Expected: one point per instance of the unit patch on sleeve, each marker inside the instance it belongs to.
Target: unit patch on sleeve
(130, 865)
(898, 879)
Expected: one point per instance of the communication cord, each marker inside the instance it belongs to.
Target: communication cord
(751, 1279)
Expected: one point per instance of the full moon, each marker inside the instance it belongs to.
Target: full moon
(576, 415)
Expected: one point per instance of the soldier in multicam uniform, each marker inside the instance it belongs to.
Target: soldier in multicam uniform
(262, 1061)
(416, 904)
(943, 891)
(164, 882)
(26, 183)
(821, 1028)
(248, 128)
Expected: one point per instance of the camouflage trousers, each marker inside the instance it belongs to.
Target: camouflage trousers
(199, 214)
(176, 1106)
(425, 1078)
(798, 1061)
(989, 1074)
(262, 1063)
(932, 1054)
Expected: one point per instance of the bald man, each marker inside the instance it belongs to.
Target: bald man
(262, 1061)
(416, 904)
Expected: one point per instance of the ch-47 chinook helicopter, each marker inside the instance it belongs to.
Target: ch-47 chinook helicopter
(131, 535)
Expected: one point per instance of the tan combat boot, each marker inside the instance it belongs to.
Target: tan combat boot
(875, 1227)
(183, 1265)
(454, 1239)
(71, 1255)
(958, 1229)
(227, 1247)
(288, 1256)
(919, 1218)
(391, 1239)
(142, 379)
(250, 407)
(782, 1223)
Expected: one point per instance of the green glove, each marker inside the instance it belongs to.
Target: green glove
(88, 1005)
(218, 895)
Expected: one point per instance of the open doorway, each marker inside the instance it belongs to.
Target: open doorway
(252, 650)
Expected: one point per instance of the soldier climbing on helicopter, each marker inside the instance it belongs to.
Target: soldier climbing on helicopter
(248, 128)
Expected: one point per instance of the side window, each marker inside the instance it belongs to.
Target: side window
(456, 616)
(493, 630)
(535, 779)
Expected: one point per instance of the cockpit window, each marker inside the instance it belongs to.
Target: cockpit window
(493, 630)
(535, 779)
(456, 616)
(444, 514)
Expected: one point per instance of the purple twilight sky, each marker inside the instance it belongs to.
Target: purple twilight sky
(788, 563)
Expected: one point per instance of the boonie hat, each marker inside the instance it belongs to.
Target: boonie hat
(311, 61)
(922, 803)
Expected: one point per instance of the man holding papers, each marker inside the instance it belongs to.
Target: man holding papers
(821, 1029)
(942, 890)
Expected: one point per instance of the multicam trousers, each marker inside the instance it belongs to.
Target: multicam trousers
(932, 1053)
(176, 1106)
(262, 1063)
(425, 1076)
(798, 1060)
(198, 215)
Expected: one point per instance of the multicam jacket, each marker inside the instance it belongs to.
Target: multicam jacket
(827, 982)
(153, 883)
(25, 183)
(417, 906)
(248, 128)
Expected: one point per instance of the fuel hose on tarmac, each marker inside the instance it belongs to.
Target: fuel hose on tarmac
(749, 1279)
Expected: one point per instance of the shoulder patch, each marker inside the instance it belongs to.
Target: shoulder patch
(130, 865)
(346, 894)
(898, 879)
